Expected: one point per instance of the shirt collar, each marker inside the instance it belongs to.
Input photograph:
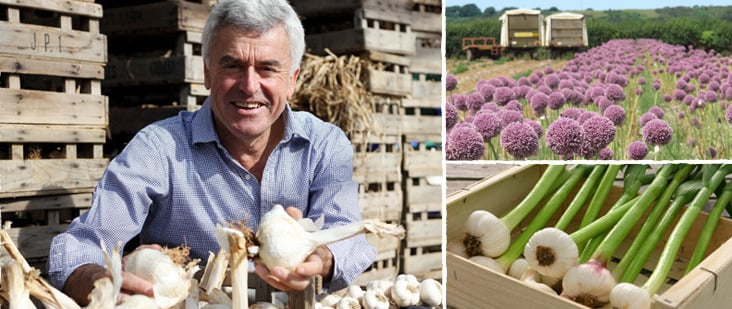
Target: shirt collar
(204, 131)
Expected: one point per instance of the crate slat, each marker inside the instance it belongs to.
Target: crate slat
(152, 70)
(49, 176)
(168, 16)
(69, 7)
(35, 241)
(75, 69)
(35, 41)
(20, 106)
(22, 133)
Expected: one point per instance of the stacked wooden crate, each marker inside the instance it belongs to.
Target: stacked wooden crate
(379, 31)
(155, 66)
(53, 117)
(421, 138)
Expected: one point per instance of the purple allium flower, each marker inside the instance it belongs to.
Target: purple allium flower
(519, 140)
(603, 103)
(474, 102)
(556, 100)
(615, 93)
(508, 116)
(486, 90)
(551, 81)
(572, 112)
(464, 143)
(728, 93)
(570, 95)
(667, 98)
(490, 106)
(656, 110)
(605, 154)
(681, 115)
(638, 91)
(539, 102)
(641, 81)
(536, 126)
(691, 142)
(729, 113)
(711, 97)
(564, 136)
(681, 84)
(514, 105)
(586, 115)
(565, 84)
(487, 124)
(548, 70)
(502, 95)
(460, 101)
(712, 152)
(713, 86)
(534, 78)
(690, 88)
(645, 118)
(451, 117)
(656, 85)
(615, 113)
(704, 78)
(544, 89)
(450, 82)
(637, 150)
(657, 132)
(695, 122)
(599, 132)
(530, 94)
(679, 95)
(524, 81)
(689, 99)
(521, 91)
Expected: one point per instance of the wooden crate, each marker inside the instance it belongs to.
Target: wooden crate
(422, 155)
(363, 30)
(422, 261)
(52, 30)
(427, 15)
(421, 120)
(189, 95)
(386, 263)
(427, 88)
(315, 8)
(427, 56)
(473, 286)
(388, 74)
(377, 169)
(155, 18)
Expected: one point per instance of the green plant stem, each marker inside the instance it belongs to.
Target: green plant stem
(581, 197)
(537, 193)
(543, 216)
(655, 281)
(708, 230)
(640, 239)
(603, 223)
(684, 194)
(598, 199)
(617, 234)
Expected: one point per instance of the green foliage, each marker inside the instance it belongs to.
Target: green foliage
(522, 74)
(460, 68)
(457, 29)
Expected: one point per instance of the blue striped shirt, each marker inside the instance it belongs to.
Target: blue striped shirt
(174, 182)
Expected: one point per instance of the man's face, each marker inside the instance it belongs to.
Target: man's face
(248, 75)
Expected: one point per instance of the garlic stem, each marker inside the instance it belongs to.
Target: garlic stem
(537, 193)
(705, 237)
(215, 272)
(235, 242)
(581, 197)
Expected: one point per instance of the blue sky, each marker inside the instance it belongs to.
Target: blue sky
(567, 5)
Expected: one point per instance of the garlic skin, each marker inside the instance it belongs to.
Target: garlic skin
(382, 285)
(285, 243)
(629, 296)
(517, 268)
(405, 291)
(170, 281)
(456, 247)
(355, 291)
(375, 299)
(348, 302)
(430, 292)
(486, 234)
(329, 300)
(589, 284)
(551, 252)
(139, 301)
(488, 263)
(529, 278)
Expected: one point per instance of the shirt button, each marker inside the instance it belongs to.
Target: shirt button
(247, 177)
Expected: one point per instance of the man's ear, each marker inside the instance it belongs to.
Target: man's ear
(206, 80)
(293, 83)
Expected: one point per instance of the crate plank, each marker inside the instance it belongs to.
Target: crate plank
(422, 194)
(69, 7)
(424, 228)
(155, 17)
(49, 176)
(22, 133)
(51, 43)
(360, 40)
(151, 70)
(426, 88)
(76, 69)
(427, 56)
(311, 8)
(427, 21)
(40, 107)
(384, 205)
(35, 241)
(132, 119)
(47, 202)
(423, 262)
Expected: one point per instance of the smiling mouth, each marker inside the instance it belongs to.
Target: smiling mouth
(247, 105)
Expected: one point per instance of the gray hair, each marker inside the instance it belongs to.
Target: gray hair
(259, 16)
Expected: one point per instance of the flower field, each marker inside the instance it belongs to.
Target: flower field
(624, 100)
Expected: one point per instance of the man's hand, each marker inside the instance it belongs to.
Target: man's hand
(81, 281)
(320, 262)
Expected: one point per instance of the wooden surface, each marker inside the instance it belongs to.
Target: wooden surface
(460, 175)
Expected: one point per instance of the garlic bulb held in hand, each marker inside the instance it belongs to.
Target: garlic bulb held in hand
(285, 243)
(170, 281)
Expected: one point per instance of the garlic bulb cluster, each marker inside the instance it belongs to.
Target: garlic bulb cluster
(404, 291)
(286, 243)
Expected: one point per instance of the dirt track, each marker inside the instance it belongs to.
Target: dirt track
(485, 68)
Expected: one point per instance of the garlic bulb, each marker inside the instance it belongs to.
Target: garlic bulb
(629, 296)
(170, 281)
(139, 301)
(486, 234)
(354, 291)
(529, 278)
(488, 263)
(430, 292)
(348, 302)
(457, 247)
(329, 300)
(285, 243)
(375, 299)
(383, 285)
(517, 268)
(551, 252)
(589, 284)
(405, 291)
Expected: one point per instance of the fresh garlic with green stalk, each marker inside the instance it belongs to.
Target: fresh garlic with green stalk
(551, 252)
(283, 242)
(405, 291)
(430, 292)
(629, 296)
(485, 235)
(487, 263)
(457, 247)
(517, 269)
(529, 278)
(588, 284)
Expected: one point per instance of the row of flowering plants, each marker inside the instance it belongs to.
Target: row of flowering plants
(624, 100)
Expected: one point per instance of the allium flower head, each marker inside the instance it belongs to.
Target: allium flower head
(464, 143)
(615, 113)
(460, 101)
(586, 115)
(712, 152)
(451, 117)
(490, 106)
(487, 124)
(538, 103)
(657, 110)
(657, 132)
(450, 82)
(564, 136)
(521, 91)
(599, 132)
(603, 103)
(536, 126)
(605, 154)
(474, 101)
(614, 92)
(514, 105)
(711, 97)
(508, 116)
(551, 81)
(729, 113)
(572, 112)
(679, 95)
(667, 98)
(637, 150)
(519, 140)
(556, 100)
(502, 95)
(486, 90)
(645, 118)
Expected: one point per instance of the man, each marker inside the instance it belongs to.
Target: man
(242, 152)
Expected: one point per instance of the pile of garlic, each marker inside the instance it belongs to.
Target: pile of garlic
(404, 291)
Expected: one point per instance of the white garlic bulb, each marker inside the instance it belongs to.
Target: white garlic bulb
(375, 299)
(629, 296)
(405, 291)
(348, 302)
(170, 280)
(430, 292)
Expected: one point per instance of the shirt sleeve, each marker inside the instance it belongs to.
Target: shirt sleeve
(120, 203)
(334, 194)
